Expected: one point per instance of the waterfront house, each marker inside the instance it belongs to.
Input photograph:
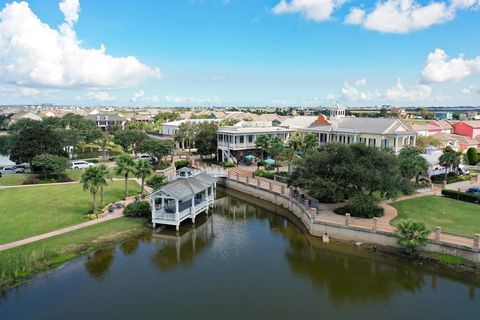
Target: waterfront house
(191, 193)
(234, 143)
(376, 132)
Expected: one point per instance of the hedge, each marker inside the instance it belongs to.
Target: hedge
(462, 196)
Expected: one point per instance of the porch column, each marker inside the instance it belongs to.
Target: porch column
(177, 215)
(192, 209)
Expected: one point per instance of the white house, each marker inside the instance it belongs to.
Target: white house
(171, 128)
(192, 193)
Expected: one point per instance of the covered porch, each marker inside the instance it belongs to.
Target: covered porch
(182, 199)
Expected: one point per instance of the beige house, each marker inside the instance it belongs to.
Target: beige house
(376, 132)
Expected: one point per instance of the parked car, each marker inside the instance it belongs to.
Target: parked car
(463, 170)
(81, 164)
(12, 170)
(148, 158)
(474, 190)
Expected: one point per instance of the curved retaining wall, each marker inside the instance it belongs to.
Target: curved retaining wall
(343, 232)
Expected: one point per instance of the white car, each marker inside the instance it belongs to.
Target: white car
(12, 170)
(147, 157)
(81, 164)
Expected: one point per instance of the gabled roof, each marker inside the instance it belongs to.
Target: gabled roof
(299, 122)
(364, 125)
(187, 187)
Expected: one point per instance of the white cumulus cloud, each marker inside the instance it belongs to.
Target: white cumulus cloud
(70, 9)
(417, 92)
(32, 54)
(317, 10)
(351, 92)
(440, 68)
(403, 16)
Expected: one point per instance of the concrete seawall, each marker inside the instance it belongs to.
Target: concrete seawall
(343, 232)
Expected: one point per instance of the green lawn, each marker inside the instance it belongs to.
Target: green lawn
(29, 211)
(21, 262)
(18, 178)
(453, 216)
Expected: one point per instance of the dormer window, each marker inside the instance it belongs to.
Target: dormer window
(106, 118)
(98, 117)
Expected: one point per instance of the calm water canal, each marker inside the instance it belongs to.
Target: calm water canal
(243, 262)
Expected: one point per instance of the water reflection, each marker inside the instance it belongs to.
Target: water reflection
(345, 272)
(130, 247)
(98, 263)
(171, 250)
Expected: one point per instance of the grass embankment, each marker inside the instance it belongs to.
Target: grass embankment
(19, 264)
(453, 216)
(30, 211)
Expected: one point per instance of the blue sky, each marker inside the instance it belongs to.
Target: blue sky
(241, 52)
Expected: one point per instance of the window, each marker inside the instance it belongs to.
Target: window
(384, 143)
(250, 139)
(372, 142)
(242, 139)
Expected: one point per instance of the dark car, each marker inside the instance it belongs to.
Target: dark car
(474, 190)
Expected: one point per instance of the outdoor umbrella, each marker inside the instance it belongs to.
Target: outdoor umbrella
(269, 160)
(250, 157)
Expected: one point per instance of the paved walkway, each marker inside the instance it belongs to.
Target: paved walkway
(326, 214)
(117, 213)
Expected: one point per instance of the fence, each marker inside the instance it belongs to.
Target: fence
(349, 227)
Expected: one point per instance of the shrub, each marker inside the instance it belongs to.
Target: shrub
(64, 178)
(138, 209)
(31, 180)
(156, 182)
(228, 164)
(451, 178)
(411, 235)
(361, 205)
(265, 174)
(163, 165)
(180, 164)
(472, 156)
(462, 196)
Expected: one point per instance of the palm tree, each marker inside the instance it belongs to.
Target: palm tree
(411, 235)
(412, 164)
(295, 141)
(107, 176)
(288, 154)
(449, 159)
(310, 142)
(262, 143)
(275, 148)
(125, 166)
(92, 179)
(143, 169)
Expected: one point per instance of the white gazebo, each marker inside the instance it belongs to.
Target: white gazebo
(192, 193)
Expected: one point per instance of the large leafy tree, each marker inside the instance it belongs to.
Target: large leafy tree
(156, 148)
(206, 139)
(143, 169)
(412, 164)
(125, 165)
(422, 142)
(36, 140)
(129, 139)
(51, 165)
(449, 159)
(92, 179)
(339, 171)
